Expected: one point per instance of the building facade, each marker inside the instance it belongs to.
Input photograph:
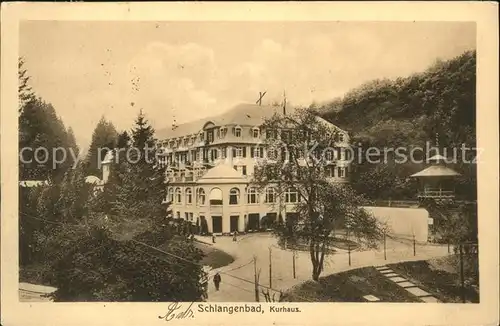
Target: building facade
(209, 165)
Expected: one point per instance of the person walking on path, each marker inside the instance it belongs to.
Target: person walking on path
(213, 237)
(217, 280)
(234, 236)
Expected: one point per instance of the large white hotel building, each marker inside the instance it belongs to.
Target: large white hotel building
(210, 163)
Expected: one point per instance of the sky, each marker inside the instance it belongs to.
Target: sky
(192, 70)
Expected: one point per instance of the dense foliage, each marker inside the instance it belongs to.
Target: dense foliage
(113, 258)
(104, 137)
(438, 103)
(99, 245)
(40, 128)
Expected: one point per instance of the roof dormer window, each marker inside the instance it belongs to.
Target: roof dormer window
(210, 135)
(237, 131)
(255, 132)
(222, 132)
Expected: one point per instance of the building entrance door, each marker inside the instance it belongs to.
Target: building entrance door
(216, 224)
(233, 226)
(253, 221)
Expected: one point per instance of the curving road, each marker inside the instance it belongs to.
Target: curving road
(238, 285)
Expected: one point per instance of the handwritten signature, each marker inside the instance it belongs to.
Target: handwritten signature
(175, 311)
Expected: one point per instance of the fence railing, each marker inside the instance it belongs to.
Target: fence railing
(436, 193)
(394, 203)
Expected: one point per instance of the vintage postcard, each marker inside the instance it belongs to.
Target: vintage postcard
(249, 163)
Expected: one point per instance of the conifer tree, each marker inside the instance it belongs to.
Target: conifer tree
(106, 259)
(141, 192)
(104, 137)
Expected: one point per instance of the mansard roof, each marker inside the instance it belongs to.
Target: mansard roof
(222, 173)
(242, 114)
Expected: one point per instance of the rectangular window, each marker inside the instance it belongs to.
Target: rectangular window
(328, 155)
(270, 134)
(237, 131)
(191, 215)
(244, 170)
(238, 152)
(256, 152)
(270, 197)
(341, 172)
(291, 196)
(252, 198)
(178, 214)
(186, 216)
(214, 154)
(255, 133)
(210, 136)
(222, 132)
(223, 153)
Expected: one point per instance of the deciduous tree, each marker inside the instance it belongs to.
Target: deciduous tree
(298, 165)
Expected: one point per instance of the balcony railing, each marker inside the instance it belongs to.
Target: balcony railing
(188, 178)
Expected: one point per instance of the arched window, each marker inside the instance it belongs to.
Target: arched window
(234, 196)
(215, 196)
(178, 195)
(201, 196)
(171, 195)
(189, 196)
(252, 196)
(270, 195)
(291, 195)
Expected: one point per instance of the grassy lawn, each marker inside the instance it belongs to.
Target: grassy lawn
(436, 278)
(351, 286)
(213, 257)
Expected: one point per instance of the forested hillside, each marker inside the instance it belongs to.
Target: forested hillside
(437, 103)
